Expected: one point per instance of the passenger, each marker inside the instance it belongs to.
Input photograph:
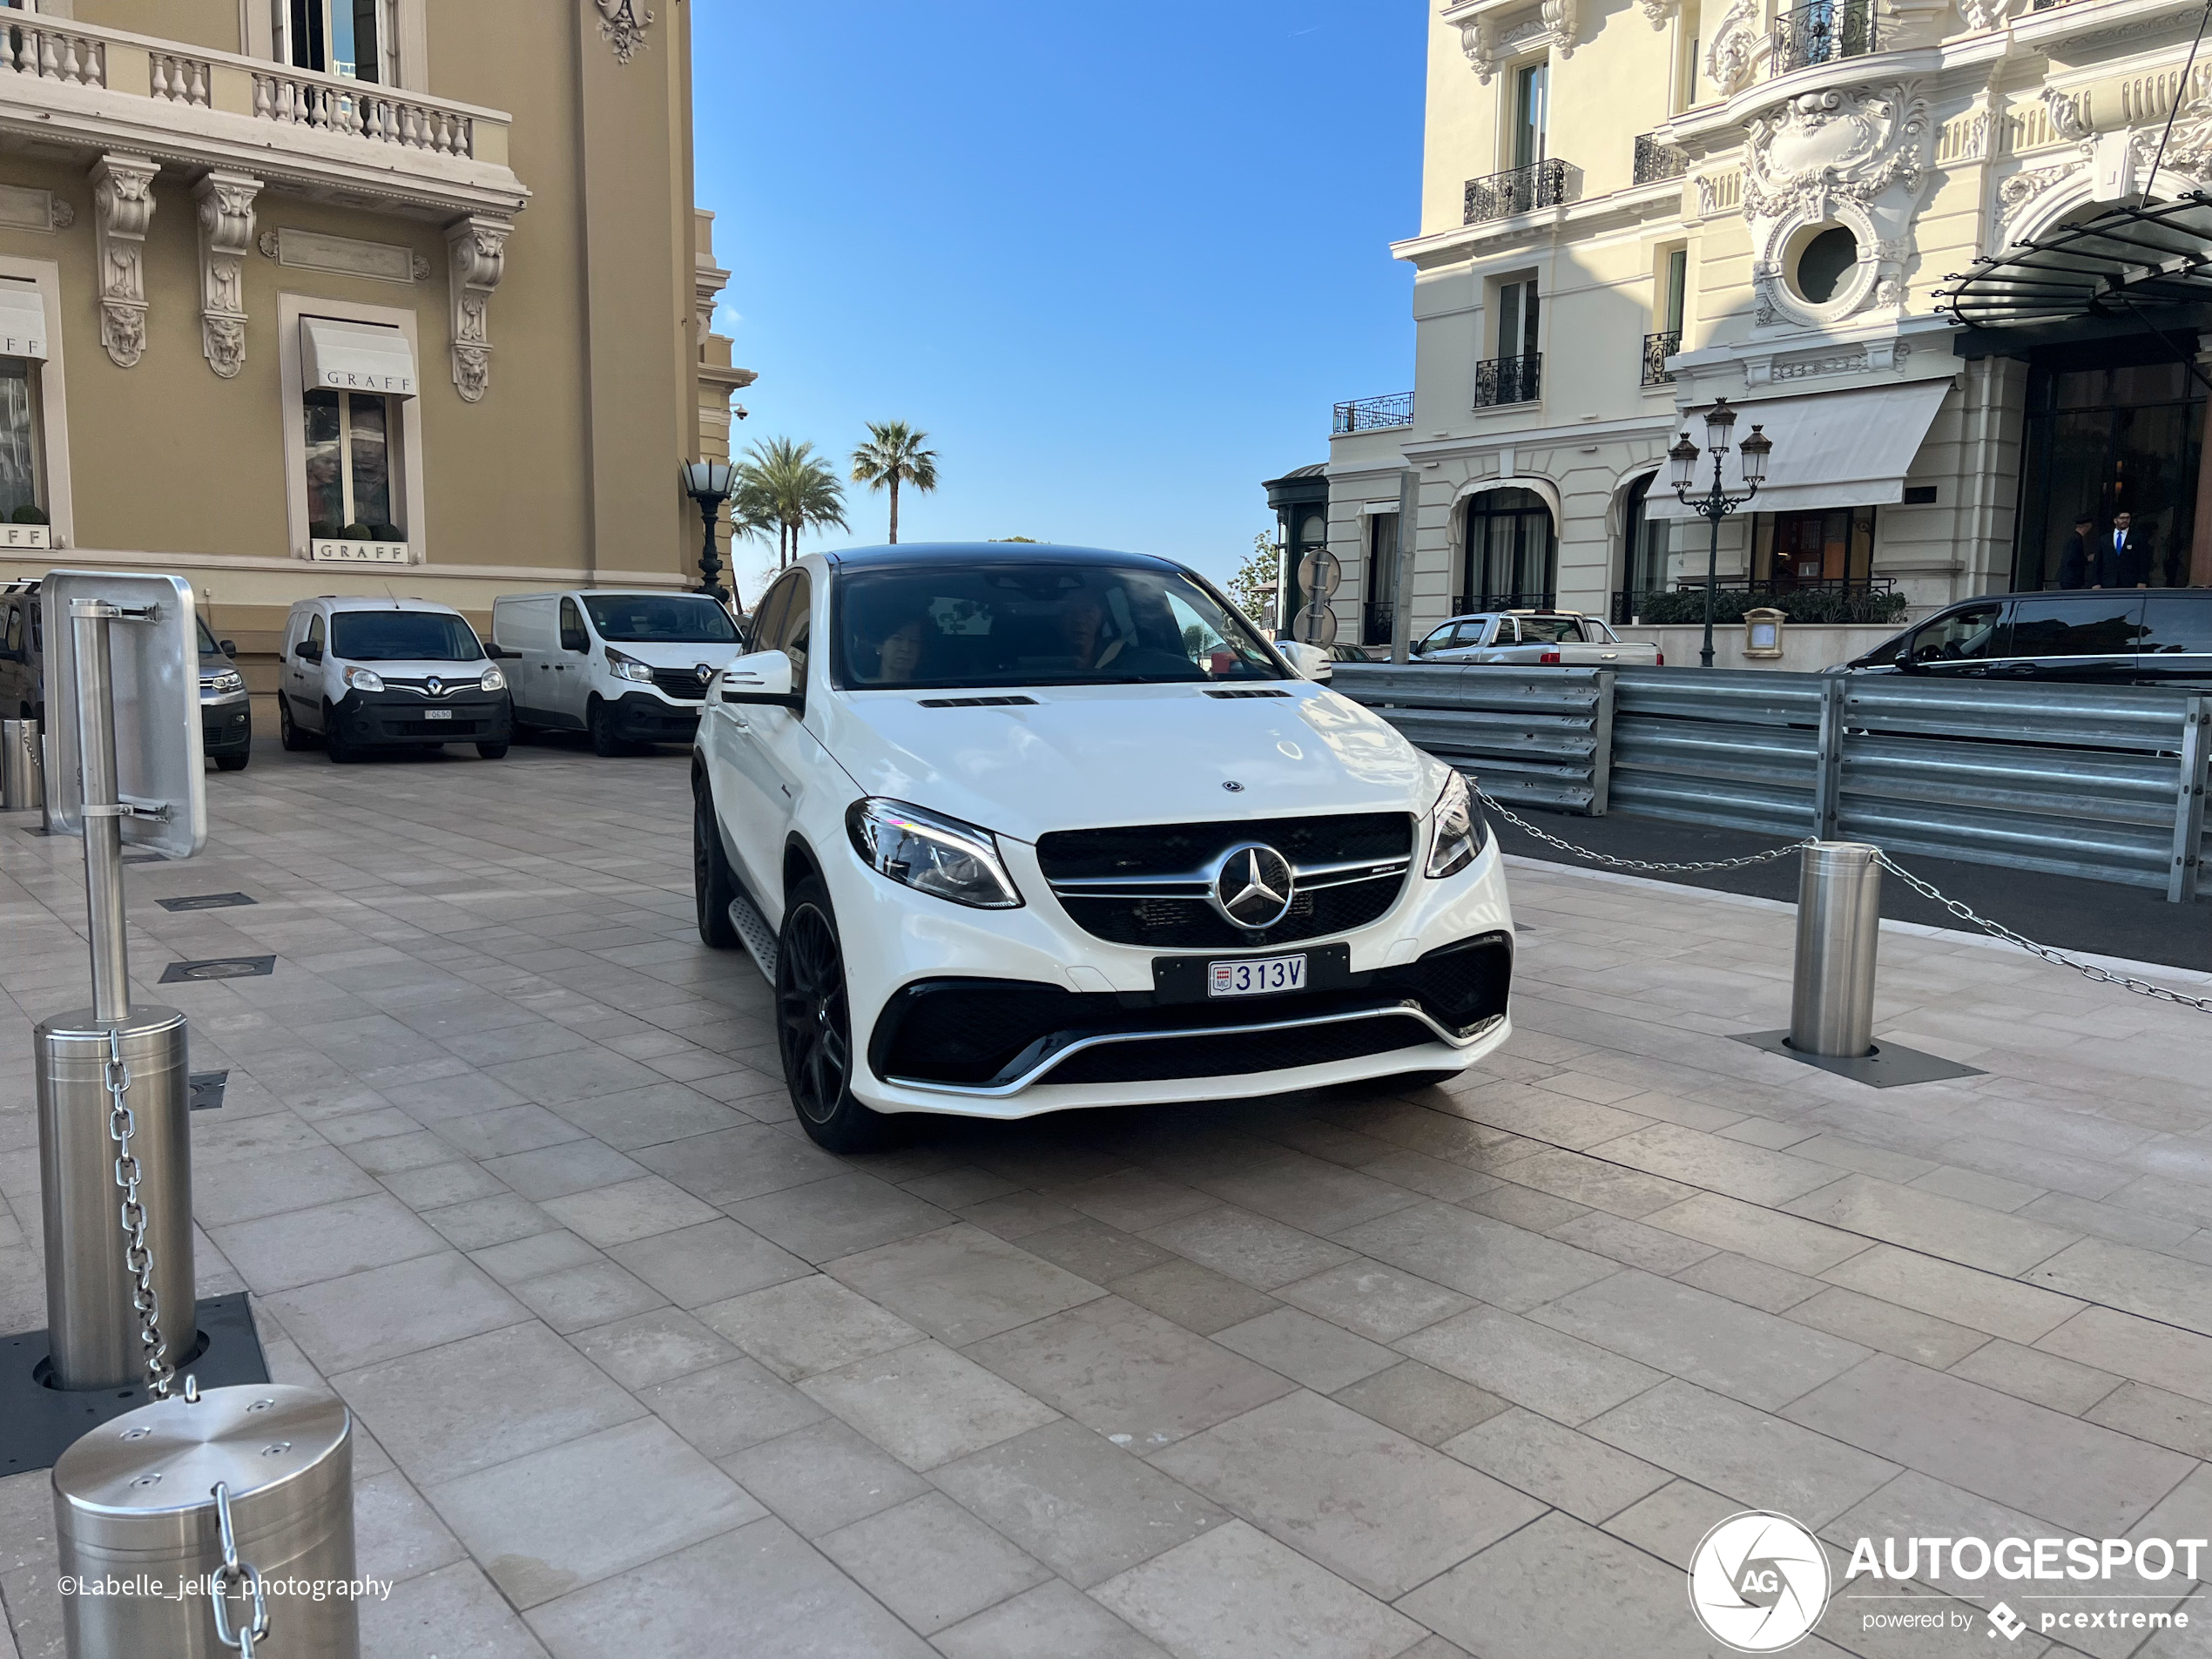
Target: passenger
(899, 655)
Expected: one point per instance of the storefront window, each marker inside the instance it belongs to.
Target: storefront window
(1833, 547)
(350, 468)
(19, 438)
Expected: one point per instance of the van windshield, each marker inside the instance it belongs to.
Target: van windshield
(208, 645)
(995, 625)
(645, 618)
(402, 637)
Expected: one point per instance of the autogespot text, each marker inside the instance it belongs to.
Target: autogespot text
(2076, 1559)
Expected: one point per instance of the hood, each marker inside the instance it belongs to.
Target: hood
(1091, 755)
(661, 653)
(410, 668)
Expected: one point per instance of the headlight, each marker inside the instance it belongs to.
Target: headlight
(223, 684)
(1457, 832)
(493, 680)
(933, 854)
(364, 679)
(628, 667)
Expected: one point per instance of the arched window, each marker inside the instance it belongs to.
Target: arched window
(1647, 550)
(1512, 558)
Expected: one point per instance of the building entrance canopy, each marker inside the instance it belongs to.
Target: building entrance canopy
(1846, 449)
(2153, 253)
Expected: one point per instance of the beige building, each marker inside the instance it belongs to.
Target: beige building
(1631, 209)
(314, 296)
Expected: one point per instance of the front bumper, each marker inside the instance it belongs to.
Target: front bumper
(401, 719)
(643, 717)
(226, 724)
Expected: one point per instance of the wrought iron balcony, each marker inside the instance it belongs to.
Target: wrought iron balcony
(1521, 191)
(1373, 413)
(1508, 379)
(1476, 604)
(1657, 162)
(1823, 32)
(1657, 348)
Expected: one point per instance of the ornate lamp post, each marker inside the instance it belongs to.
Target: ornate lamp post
(708, 483)
(1716, 503)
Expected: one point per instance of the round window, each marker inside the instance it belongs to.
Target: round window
(1824, 262)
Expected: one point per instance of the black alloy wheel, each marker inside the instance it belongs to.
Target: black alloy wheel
(813, 1027)
(713, 885)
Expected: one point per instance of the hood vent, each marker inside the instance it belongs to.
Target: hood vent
(1244, 690)
(974, 702)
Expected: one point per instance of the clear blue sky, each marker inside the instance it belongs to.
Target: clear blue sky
(1117, 261)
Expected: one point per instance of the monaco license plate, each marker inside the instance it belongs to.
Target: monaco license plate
(437, 714)
(1257, 976)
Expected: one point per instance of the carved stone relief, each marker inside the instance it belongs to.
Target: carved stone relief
(1734, 52)
(1490, 40)
(476, 258)
(123, 205)
(622, 26)
(225, 233)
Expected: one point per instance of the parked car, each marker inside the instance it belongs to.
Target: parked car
(2099, 635)
(626, 667)
(1359, 653)
(1534, 638)
(365, 674)
(23, 653)
(1014, 829)
(226, 710)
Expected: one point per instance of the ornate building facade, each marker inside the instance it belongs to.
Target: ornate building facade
(1630, 211)
(314, 296)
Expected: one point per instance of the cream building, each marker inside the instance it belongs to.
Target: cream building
(1631, 209)
(318, 296)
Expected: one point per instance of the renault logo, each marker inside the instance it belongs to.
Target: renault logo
(705, 673)
(1253, 886)
(437, 686)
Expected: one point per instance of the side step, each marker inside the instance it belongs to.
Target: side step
(759, 937)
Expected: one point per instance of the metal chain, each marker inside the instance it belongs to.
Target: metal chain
(137, 1257)
(234, 1572)
(1527, 828)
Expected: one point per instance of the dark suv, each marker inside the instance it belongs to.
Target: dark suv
(2104, 636)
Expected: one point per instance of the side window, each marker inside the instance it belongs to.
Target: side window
(315, 632)
(2092, 627)
(760, 629)
(793, 628)
(2173, 623)
(13, 639)
(1437, 640)
(572, 634)
(1963, 636)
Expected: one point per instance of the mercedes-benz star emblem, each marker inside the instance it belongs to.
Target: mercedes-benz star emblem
(1253, 886)
(437, 686)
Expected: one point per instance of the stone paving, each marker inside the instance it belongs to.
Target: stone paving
(505, 1163)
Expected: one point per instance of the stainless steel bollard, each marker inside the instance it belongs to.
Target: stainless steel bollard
(1839, 927)
(140, 1530)
(23, 773)
(90, 1321)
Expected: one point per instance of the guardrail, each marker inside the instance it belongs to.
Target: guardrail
(2106, 782)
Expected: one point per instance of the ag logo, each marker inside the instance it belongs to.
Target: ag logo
(1758, 1582)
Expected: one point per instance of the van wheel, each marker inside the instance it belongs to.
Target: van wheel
(601, 719)
(288, 734)
(713, 886)
(231, 763)
(815, 1027)
(492, 750)
(341, 752)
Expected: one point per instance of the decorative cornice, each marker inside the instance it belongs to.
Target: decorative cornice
(475, 259)
(123, 208)
(225, 233)
(622, 26)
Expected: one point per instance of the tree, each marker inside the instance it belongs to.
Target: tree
(893, 455)
(1254, 585)
(788, 488)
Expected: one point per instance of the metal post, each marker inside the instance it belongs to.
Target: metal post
(1839, 930)
(1401, 600)
(1712, 562)
(103, 829)
(2183, 879)
(1828, 764)
(23, 780)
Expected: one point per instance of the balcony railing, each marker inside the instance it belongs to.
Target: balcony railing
(1521, 191)
(1656, 162)
(1373, 413)
(1475, 605)
(1843, 599)
(1508, 379)
(1657, 348)
(1823, 32)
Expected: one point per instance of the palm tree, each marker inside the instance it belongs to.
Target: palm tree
(785, 486)
(892, 456)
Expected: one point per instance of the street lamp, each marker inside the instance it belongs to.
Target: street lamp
(1716, 503)
(708, 483)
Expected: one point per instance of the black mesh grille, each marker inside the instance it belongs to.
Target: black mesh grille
(1194, 924)
(1158, 1059)
(1177, 849)
(969, 1031)
(1462, 984)
(682, 683)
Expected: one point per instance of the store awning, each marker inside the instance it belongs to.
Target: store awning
(1831, 449)
(355, 357)
(23, 320)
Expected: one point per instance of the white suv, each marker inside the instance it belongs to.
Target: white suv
(1012, 829)
(365, 674)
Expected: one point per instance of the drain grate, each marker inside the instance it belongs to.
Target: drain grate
(144, 858)
(207, 1089)
(219, 967)
(204, 902)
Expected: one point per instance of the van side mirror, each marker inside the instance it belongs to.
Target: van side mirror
(497, 651)
(228, 647)
(309, 651)
(762, 678)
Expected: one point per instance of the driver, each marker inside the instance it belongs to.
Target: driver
(1081, 620)
(900, 654)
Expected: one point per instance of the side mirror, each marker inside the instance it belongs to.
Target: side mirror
(309, 651)
(761, 678)
(1310, 662)
(498, 652)
(228, 647)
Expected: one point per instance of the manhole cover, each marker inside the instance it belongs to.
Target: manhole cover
(207, 1089)
(204, 902)
(219, 967)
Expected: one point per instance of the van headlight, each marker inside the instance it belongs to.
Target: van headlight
(628, 667)
(364, 679)
(932, 853)
(1457, 830)
(493, 680)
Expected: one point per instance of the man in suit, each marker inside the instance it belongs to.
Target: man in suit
(2126, 562)
(2081, 554)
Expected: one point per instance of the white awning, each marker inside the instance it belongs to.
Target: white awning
(1831, 449)
(355, 357)
(23, 320)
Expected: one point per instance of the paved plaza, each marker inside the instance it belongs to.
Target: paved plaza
(504, 1162)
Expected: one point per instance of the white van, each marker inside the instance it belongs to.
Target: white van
(626, 667)
(388, 673)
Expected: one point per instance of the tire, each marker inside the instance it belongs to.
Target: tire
(341, 752)
(231, 763)
(713, 885)
(492, 750)
(813, 1027)
(601, 719)
(288, 733)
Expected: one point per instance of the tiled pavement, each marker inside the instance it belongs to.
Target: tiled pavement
(638, 1369)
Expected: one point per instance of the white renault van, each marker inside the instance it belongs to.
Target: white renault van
(388, 673)
(626, 667)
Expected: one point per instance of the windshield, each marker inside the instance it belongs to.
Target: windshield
(646, 618)
(208, 645)
(1042, 625)
(402, 637)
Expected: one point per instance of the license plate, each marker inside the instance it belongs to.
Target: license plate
(1259, 976)
(437, 714)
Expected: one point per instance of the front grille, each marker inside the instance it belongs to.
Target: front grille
(682, 683)
(1172, 849)
(1237, 1052)
(1194, 924)
(1460, 985)
(969, 1031)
